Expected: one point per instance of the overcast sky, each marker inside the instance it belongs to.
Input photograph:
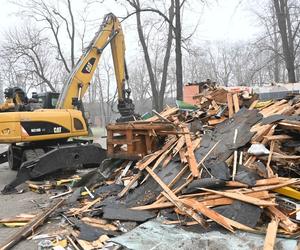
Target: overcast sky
(222, 20)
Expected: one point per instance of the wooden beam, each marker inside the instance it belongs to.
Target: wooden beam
(129, 185)
(284, 221)
(230, 105)
(271, 234)
(262, 182)
(236, 102)
(269, 169)
(30, 227)
(277, 137)
(190, 154)
(242, 197)
(218, 218)
(167, 112)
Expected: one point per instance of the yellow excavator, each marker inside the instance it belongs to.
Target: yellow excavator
(39, 140)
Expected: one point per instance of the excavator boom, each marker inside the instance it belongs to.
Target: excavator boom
(110, 32)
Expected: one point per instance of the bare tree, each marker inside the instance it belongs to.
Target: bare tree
(59, 23)
(28, 54)
(287, 36)
(158, 91)
(178, 37)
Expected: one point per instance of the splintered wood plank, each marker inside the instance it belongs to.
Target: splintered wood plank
(217, 200)
(167, 160)
(262, 182)
(284, 221)
(213, 200)
(242, 197)
(100, 223)
(230, 105)
(215, 105)
(277, 137)
(166, 113)
(269, 169)
(218, 218)
(129, 185)
(174, 199)
(196, 143)
(178, 176)
(270, 133)
(239, 226)
(261, 132)
(190, 154)
(270, 109)
(183, 158)
(293, 125)
(161, 205)
(236, 102)
(275, 186)
(86, 207)
(271, 234)
(162, 157)
(179, 145)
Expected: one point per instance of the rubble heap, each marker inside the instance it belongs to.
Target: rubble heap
(234, 162)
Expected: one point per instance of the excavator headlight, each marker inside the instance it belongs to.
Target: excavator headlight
(5, 131)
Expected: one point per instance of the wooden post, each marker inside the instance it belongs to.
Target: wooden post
(230, 105)
(236, 103)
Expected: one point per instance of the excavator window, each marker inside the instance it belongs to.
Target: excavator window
(77, 124)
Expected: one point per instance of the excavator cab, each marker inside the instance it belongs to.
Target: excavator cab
(46, 100)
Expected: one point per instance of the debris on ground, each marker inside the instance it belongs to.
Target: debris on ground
(230, 164)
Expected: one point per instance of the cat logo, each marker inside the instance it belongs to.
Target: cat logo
(57, 130)
(89, 66)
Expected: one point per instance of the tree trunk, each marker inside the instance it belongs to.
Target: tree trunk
(155, 104)
(276, 50)
(72, 37)
(166, 60)
(282, 14)
(179, 80)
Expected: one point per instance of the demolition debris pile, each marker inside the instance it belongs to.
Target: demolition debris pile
(233, 161)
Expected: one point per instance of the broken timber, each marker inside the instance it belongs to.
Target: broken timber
(28, 229)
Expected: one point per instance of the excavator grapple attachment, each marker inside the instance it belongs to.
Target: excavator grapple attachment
(66, 157)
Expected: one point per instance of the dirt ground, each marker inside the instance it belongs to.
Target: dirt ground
(14, 204)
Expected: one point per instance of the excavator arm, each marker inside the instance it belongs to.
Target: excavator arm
(79, 80)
